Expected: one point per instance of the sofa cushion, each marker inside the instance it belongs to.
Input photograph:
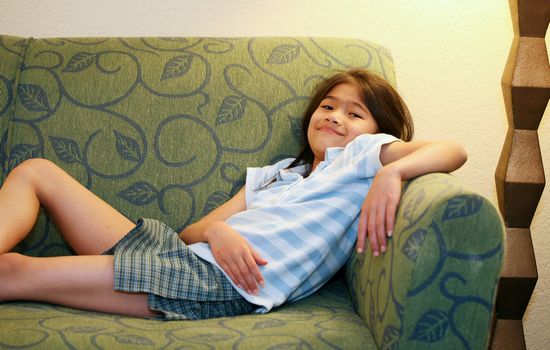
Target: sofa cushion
(165, 127)
(325, 321)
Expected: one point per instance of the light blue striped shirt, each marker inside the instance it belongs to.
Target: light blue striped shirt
(305, 228)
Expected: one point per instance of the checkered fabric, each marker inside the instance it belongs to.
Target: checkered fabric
(152, 259)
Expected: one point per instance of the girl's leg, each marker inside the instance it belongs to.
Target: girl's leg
(89, 224)
(84, 282)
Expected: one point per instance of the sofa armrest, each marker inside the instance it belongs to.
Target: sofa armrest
(436, 284)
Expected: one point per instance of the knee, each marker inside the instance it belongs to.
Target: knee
(31, 169)
(33, 166)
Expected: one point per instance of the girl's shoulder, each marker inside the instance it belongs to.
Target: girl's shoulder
(366, 139)
(366, 144)
(362, 155)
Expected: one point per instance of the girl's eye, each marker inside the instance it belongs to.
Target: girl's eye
(355, 115)
(327, 107)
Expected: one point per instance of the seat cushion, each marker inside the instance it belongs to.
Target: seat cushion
(325, 320)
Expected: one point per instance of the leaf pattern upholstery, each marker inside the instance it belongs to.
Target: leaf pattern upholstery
(118, 114)
(441, 268)
(165, 128)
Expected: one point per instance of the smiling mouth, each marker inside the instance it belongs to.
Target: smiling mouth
(330, 131)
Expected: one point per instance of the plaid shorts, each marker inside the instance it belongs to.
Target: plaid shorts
(152, 259)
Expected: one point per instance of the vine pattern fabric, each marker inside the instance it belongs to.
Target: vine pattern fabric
(165, 127)
(441, 268)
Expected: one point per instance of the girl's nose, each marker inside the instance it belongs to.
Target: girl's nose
(333, 118)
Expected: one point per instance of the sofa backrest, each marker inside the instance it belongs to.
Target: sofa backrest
(163, 127)
(12, 50)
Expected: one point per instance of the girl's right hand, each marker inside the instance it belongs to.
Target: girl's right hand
(377, 217)
(235, 256)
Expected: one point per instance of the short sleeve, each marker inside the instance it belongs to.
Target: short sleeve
(364, 153)
(258, 177)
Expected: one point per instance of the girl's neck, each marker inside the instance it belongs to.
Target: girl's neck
(314, 165)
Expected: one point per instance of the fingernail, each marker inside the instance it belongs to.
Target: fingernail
(376, 253)
(241, 287)
(255, 291)
(360, 250)
(262, 283)
(383, 249)
(390, 233)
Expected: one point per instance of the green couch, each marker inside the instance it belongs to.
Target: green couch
(165, 127)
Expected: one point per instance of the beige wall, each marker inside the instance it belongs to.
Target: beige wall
(449, 56)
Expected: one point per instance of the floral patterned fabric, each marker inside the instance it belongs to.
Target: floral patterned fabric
(165, 128)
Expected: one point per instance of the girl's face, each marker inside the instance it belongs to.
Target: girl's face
(340, 117)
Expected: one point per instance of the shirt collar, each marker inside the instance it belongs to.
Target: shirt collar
(291, 174)
(332, 152)
(296, 173)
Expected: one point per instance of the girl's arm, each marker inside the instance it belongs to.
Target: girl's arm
(401, 161)
(196, 232)
(232, 251)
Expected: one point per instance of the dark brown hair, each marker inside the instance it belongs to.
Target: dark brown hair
(382, 100)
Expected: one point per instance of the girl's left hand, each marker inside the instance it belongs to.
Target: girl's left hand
(236, 256)
(378, 211)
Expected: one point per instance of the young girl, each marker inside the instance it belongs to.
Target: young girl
(280, 238)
